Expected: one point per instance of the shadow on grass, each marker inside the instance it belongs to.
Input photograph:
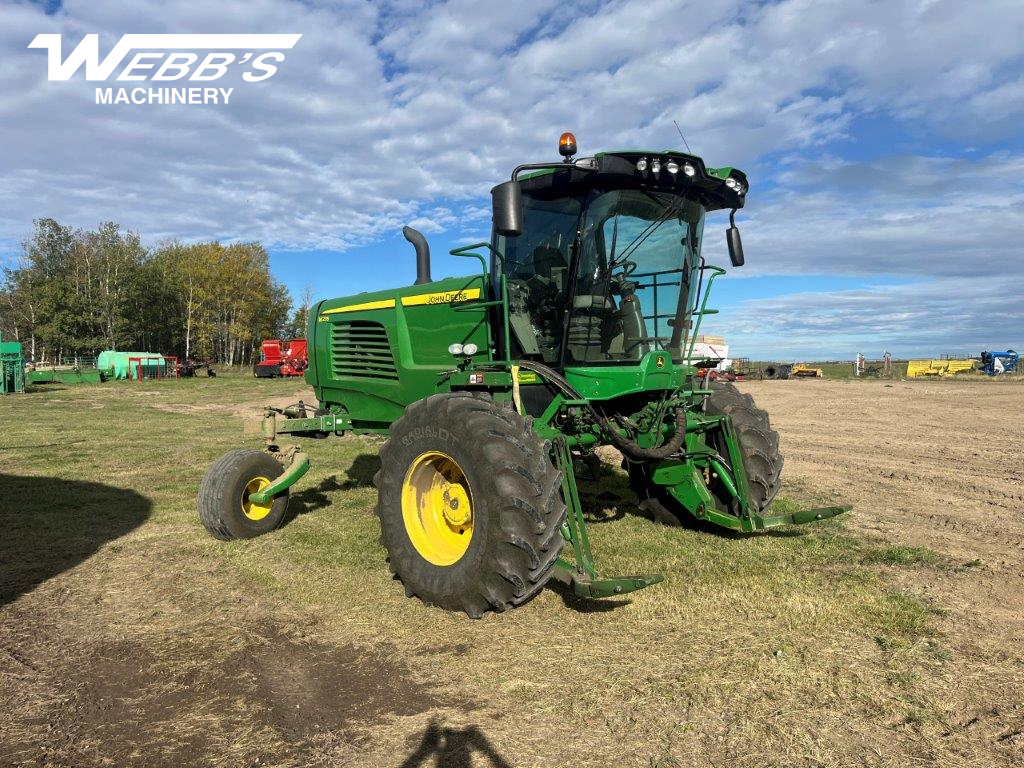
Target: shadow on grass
(312, 499)
(579, 604)
(39, 387)
(454, 748)
(610, 498)
(49, 525)
(360, 473)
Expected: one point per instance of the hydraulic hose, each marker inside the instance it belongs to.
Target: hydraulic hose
(636, 451)
(623, 443)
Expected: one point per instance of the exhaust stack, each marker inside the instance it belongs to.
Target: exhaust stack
(419, 242)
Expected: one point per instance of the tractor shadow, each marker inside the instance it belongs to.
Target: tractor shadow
(51, 525)
(311, 499)
(607, 497)
(358, 475)
(574, 602)
(454, 748)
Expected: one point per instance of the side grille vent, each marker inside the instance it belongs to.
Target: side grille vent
(360, 349)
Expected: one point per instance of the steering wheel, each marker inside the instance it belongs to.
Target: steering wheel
(628, 268)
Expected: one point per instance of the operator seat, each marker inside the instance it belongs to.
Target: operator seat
(595, 328)
(535, 290)
(550, 264)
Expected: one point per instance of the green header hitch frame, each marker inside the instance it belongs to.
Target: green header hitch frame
(297, 466)
(295, 460)
(581, 574)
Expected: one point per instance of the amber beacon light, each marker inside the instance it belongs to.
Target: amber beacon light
(567, 145)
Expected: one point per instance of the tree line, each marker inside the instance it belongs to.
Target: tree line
(75, 292)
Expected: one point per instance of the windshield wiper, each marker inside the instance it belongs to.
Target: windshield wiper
(671, 209)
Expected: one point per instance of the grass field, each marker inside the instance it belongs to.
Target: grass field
(127, 635)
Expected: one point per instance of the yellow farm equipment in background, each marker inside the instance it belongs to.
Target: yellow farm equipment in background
(916, 368)
(804, 370)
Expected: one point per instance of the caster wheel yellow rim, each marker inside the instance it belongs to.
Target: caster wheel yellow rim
(251, 509)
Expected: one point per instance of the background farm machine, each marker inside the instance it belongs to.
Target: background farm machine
(996, 363)
(12, 367)
(282, 358)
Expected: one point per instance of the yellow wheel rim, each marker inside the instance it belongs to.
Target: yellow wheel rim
(251, 509)
(437, 507)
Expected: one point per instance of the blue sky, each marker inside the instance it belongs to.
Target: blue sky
(882, 142)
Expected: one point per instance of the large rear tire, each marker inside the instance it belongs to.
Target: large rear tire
(761, 458)
(470, 504)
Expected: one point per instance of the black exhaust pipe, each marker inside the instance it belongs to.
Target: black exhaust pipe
(419, 242)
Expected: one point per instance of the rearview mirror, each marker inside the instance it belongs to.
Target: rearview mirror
(732, 236)
(507, 209)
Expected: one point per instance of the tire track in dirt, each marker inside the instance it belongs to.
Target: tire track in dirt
(939, 463)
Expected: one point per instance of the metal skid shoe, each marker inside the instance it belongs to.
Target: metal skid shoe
(803, 516)
(581, 575)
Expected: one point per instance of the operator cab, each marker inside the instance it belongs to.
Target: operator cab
(602, 255)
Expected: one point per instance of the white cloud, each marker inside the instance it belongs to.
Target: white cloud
(381, 111)
(925, 319)
(898, 215)
(386, 114)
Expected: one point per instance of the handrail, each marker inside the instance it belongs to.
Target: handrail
(466, 251)
(715, 272)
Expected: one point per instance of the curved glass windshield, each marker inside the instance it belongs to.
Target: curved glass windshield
(636, 278)
(635, 281)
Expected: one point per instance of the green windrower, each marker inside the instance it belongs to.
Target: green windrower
(495, 388)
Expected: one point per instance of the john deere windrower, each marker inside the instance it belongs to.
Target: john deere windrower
(577, 332)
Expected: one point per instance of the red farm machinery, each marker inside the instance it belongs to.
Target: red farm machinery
(281, 358)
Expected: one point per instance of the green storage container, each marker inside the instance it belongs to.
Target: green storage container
(64, 376)
(128, 365)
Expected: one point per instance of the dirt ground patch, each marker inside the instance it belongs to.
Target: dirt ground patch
(246, 692)
(937, 465)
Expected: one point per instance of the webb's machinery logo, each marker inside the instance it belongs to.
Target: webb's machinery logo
(166, 58)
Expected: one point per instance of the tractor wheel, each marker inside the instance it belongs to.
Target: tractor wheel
(224, 505)
(761, 458)
(758, 441)
(470, 504)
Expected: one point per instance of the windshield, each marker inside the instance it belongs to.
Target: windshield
(637, 276)
(638, 254)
